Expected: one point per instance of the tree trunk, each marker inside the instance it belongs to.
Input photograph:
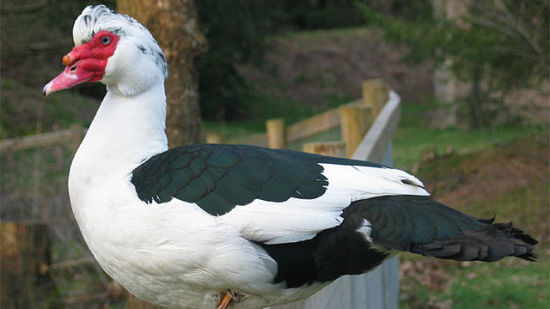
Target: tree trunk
(477, 119)
(174, 24)
(448, 89)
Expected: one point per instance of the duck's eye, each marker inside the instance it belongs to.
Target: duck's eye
(105, 40)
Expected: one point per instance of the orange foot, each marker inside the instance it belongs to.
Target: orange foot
(227, 298)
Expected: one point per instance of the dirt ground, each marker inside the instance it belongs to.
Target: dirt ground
(310, 67)
(510, 181)
(479, 182)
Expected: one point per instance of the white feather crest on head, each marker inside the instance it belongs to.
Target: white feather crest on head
(94, 19)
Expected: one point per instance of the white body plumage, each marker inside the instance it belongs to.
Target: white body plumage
(174, 253)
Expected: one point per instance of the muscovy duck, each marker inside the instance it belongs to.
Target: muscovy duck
(206, 226)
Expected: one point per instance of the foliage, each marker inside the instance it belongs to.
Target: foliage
(417, 10)
(236, 32)
(37, 34)
(307, 14)
(497, 45)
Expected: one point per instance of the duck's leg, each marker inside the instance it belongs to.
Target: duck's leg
(227, 298)
(225, 301)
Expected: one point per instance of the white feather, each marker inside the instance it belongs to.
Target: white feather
(366, 229)
(301, 219)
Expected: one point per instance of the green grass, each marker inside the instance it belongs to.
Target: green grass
(228, 130)
(532, 200)
(25, 111)
(501, 285)
(261, 108)
(510, 283)
(414, 137)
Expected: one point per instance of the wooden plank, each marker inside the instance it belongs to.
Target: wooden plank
(354, 122)
(39, 140)
(77, 136)
(213, 138)
(276, 135)
(316, 124)
(373, 146)
(336, 295)
(374, 289)
(391, 282)
(333, 149)
(299, 130)
(313, 125)
(375, 93)
(380, 288)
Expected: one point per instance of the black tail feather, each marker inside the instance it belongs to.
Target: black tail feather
(407, 223)
(421, 225)
(489, 244)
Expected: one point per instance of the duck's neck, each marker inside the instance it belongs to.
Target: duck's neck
(125, 131)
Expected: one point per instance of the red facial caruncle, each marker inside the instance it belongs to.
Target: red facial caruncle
(85, 63)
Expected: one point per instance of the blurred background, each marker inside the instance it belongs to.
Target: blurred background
(474, 82)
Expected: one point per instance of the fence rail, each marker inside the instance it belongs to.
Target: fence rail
(73, 135)
(374, 95)
(379, 288)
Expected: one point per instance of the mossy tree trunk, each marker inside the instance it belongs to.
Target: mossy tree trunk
(174, 24)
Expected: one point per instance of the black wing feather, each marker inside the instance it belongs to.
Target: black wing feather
(220, 177)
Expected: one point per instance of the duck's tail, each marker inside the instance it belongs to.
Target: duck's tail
(424, 226)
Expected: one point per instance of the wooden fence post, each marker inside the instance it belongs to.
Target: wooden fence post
(333, 149)
(354, 123)
(76, 136)
(276, 135)
(213, 138)
(375, 93)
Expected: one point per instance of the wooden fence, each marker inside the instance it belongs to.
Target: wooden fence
(366, 128)
(353, 118)
(73, 136)
(380, 288)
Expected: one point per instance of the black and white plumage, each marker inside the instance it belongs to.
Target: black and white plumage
(179, 227)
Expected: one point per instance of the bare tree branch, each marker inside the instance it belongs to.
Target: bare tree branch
(499, 18)
(519, 27)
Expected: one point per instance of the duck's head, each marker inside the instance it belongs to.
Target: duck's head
(113, 49)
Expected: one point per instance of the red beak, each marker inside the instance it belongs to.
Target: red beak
(80, 68)
(71, 76)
